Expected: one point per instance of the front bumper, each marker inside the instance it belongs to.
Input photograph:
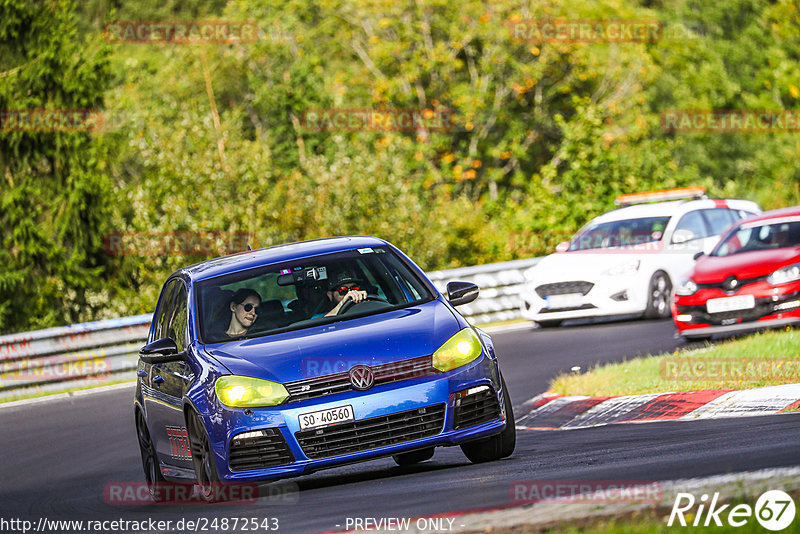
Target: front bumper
(389, 419)
(774, 307)
(740, 327)
(607, 296)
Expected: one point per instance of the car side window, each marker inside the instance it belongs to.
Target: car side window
(694, 223)
(162, 315)
(178, 321)
(719, 219)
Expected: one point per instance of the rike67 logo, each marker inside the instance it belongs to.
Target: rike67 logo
(774, 510)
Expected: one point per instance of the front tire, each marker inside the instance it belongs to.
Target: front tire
(659, 296)
(497, 446)
(152, 468)
(202, 457)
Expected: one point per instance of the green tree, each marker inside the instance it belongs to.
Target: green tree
(54, 197)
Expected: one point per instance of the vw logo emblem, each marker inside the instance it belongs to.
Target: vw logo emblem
(731, 283)
(361, 377)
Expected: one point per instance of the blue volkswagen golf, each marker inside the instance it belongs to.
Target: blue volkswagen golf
(282, 361)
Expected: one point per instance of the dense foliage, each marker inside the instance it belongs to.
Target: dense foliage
(208, 137)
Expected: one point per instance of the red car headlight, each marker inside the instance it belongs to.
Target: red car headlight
(784, 275)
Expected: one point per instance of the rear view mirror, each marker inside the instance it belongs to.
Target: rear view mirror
(459, 293)
(563, 246)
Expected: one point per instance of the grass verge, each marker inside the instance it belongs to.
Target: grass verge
(763, 359)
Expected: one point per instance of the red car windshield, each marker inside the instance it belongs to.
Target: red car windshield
(760, 235)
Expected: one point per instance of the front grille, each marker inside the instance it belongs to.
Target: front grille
(474, 407)
(320, 386)
(740, 284)
(259, 449)
(564, 288)
(372, 433)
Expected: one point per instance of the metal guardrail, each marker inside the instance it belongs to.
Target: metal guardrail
(60, 358)
(500, 285)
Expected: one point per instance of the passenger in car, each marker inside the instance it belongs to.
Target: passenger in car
(244, 309)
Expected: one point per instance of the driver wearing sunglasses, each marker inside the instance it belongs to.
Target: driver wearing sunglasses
(343, 288)
(244, 310)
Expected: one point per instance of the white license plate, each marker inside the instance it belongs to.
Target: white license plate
(570, 300)
(331, 416)
(725, 304)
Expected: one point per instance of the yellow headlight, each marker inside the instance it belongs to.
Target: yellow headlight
(459, 350)
(244, 391)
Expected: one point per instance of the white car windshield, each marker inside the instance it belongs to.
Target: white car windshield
(759, 236)
(622, 233)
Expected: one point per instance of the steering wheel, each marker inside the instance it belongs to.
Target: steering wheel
(347, 306)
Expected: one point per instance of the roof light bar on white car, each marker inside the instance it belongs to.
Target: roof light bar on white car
(661, 195)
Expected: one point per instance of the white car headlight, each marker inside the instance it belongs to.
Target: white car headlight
(790, 273)
(629, 267)
(686, 287)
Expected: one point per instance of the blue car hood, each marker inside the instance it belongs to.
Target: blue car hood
(383, 338)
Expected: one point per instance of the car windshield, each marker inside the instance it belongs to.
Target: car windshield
(619, 233)
(298, 294)
(761, 235)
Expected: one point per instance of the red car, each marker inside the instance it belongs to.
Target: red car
(750, 280)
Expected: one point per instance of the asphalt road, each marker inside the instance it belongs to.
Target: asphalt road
(60, 455)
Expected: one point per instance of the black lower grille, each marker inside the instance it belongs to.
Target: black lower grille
(474, 407)
(372, 433)
(564, 288)
(573, 308)
(739, 284)
(259, 449)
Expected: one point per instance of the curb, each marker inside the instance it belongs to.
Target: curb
(550, 411)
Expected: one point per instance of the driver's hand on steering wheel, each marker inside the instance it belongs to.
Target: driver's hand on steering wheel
(355, 296)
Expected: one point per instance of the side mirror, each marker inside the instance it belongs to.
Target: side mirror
(161, 351)
(563, 246)
(459, 293)
(697, 255)
(682, 236)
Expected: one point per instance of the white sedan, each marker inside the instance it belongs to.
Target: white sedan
(624, 262)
